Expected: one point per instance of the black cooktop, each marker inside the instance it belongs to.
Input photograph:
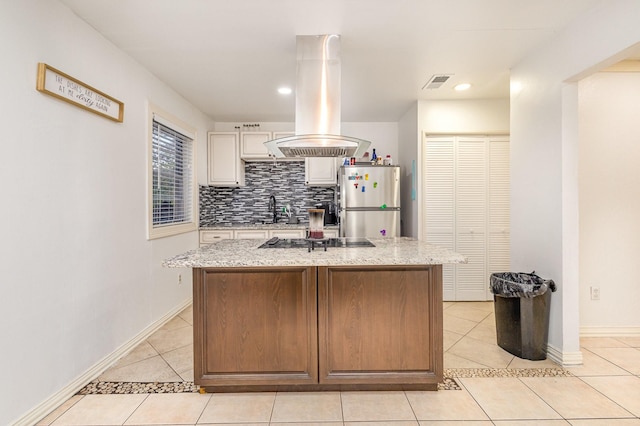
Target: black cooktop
(312, 243)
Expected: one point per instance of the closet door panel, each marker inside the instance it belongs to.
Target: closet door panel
(439, 187)
(499, 187)
(471, 278)
(498, 252)
(499, 241)
(471, 217)
(471, 185)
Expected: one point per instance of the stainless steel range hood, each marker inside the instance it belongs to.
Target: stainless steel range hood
(318, 104)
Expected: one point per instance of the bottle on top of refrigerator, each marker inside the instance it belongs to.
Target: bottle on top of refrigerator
(374, 157)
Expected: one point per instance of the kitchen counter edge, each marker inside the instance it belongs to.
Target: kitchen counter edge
(245, 253)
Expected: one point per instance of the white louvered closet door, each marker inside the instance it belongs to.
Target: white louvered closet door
(439, 201)
(466, 208)
(471, 217)
(499, 206)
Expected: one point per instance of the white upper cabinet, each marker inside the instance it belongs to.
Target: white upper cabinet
(321, 171)
(252, 145)
(278, 135)
(224, 166)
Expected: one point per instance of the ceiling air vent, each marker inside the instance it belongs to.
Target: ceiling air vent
(436, 81)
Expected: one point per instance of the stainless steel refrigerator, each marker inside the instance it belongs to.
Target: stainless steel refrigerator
(369, 203)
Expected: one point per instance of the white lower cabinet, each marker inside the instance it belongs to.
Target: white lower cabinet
(331, 233)
(208, 237)
(211, 236)
(251, 234)
(287, 233)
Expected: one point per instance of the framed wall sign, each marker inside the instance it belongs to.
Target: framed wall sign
(62, 86)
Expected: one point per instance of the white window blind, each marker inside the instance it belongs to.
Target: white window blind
(172, 164)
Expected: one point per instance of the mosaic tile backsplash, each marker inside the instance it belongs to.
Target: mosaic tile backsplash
(249, 204)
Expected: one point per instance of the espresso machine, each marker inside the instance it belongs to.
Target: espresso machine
(330, 216)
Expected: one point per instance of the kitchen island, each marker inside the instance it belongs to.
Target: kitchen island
(348, 318)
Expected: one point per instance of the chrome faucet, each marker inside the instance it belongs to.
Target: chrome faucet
(273, 208)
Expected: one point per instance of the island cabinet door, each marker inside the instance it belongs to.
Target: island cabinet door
(380, 325)
(255, 326)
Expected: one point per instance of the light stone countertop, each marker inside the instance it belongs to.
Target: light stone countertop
(387, 251)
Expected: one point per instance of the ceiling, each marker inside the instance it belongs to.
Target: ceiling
(228, 57)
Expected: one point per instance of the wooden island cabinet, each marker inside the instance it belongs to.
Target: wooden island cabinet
(255, 327)
(345, 318)
(318, 328)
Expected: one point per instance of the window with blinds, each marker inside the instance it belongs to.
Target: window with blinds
(172, 177)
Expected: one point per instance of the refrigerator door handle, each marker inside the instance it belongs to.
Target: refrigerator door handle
(369, 209)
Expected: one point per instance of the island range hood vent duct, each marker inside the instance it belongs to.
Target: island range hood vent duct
(317, 131)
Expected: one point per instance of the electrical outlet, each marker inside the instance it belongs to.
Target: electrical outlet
(179, 279)
(595, 293)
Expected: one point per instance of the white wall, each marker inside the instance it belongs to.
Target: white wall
(609, 201)
(544, 213)
(480, 116)
(383, 136)
(79, 277)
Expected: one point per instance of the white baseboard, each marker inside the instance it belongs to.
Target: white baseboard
(54, 401)
(564, 359)
(575, 358)
(609, 331)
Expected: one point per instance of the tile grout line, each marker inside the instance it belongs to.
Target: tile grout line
(63, 412)
(136, 409)
(210, 401)
(476, 401)
(609, 361)
(616, 403)
(415, 416)
(542, 399)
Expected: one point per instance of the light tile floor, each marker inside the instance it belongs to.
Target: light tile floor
(603, 391)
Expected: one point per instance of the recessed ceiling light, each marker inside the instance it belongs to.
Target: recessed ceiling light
(462, 86)
(284, 90)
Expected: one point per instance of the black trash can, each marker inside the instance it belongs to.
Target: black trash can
(522, 305)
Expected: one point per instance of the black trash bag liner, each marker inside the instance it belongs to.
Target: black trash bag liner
(519, 284)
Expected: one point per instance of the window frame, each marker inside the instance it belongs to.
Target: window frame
(168, 120)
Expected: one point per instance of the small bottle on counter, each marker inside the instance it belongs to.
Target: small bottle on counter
(374, 157)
